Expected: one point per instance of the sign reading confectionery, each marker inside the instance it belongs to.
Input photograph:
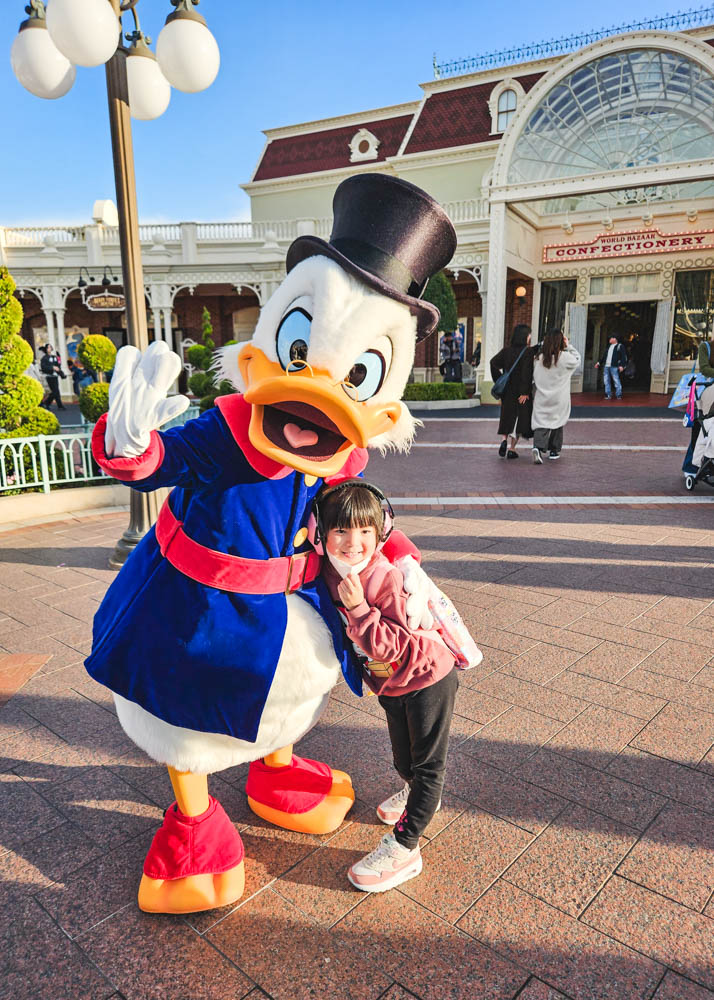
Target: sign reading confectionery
(104, 302)
(628, 244)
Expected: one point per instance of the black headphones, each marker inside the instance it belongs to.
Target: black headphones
(315, 528)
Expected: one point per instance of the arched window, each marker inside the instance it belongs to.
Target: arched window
(506, 109)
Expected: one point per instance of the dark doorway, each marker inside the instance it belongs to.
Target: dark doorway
(634, 323)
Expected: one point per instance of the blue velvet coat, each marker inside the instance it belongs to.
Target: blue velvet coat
(190, 654)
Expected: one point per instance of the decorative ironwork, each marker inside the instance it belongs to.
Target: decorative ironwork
(560, 46)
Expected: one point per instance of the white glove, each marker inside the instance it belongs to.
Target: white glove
(418, 585)
(137, 398)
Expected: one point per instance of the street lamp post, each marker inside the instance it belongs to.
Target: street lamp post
(88, 33)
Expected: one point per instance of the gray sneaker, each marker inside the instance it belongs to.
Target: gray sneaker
(537, 457)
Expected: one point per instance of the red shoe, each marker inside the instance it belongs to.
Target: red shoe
(208, 844)
(306, 795)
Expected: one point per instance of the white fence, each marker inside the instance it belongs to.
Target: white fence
(44, 461)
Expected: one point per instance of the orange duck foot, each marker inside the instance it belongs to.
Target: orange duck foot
(194, 863)
(304, 795)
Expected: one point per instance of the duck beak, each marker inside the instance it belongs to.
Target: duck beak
(306, 419)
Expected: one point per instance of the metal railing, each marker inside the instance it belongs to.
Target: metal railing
(44, 461)
(558, 46)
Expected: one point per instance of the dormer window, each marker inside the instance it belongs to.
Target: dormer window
(364, 145)
(506, 109)
(502, 104)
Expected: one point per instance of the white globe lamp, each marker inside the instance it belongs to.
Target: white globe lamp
(85, 31)
(37, 62)
(149, 90)
(187, 51)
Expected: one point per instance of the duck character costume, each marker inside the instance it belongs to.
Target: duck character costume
(218, 638)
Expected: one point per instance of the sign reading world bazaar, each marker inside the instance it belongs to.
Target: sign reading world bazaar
(629, 244)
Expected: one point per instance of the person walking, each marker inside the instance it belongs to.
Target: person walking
(51, 368)
(517, 400)
(552, 370)
(613, 364)
(705, 363)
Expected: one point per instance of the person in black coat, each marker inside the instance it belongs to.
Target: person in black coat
(517, 400)
(51, 368)
(613, 364)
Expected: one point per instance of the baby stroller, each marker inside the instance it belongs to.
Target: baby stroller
(703, 456)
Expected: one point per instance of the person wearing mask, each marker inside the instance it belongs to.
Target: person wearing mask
(613, 364)
(517, 400)
(51, 368)
(552, 370)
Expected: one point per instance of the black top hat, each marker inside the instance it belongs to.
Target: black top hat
(391, 235)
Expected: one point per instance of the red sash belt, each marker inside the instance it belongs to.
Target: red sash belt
(283, 575)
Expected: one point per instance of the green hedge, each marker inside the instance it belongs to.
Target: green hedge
(434, 390)
(94, 401)
(97, 352)
(15, 357)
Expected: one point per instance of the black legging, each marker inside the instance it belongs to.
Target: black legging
(419, 724)
(53, 392)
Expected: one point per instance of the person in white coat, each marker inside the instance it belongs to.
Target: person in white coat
(552, 370)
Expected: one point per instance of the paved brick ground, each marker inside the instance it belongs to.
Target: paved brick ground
(573, 854)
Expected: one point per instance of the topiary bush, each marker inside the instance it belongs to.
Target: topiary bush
(38, 421)
(203, 382)
(24, 395)
(434, 390)
(440, 293)
(97, 353)
(94, 401)
(20, 395)
(15, 357)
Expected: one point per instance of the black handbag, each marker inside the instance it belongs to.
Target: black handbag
(499, 386)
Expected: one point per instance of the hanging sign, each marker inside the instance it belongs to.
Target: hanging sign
(629, 244)
(106, 302)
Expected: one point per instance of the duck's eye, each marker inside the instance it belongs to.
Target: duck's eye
(366, 375)
(293, 338)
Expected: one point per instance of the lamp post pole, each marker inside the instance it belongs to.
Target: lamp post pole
(88, 34)
(143, 507)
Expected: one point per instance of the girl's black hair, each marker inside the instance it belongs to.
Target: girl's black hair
(520, 335)
(351, 507)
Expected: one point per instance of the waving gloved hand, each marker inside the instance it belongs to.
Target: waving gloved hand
(418, 586)
(137, 398)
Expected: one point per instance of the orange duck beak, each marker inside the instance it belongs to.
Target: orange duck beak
(305, 419)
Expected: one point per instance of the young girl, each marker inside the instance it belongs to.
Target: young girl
(411, 671)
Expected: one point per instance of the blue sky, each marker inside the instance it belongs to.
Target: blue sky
(282, 63)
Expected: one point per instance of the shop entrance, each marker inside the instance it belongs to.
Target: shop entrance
(634, 323)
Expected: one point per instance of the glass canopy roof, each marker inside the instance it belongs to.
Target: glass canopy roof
(633, 108)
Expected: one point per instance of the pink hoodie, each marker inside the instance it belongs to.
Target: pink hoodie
(400, 660)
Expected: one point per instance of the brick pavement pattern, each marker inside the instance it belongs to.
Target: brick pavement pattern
(573, 854)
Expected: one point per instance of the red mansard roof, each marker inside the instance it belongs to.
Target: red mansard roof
(457, 117)
(328, 149)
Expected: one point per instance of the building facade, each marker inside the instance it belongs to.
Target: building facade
(581, 188)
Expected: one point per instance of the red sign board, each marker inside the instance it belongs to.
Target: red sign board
(628, 244)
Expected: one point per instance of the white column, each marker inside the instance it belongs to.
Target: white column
(156, 313)
(50, 320)
(535, 314)
(65, 383)
(496, 315)
(168, 333)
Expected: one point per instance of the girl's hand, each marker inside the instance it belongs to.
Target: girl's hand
(523, 399)
(350, 591)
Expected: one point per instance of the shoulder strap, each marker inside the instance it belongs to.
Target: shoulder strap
(517, 359)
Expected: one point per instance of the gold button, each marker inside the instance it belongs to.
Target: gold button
(300, 537)
(310, 480)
